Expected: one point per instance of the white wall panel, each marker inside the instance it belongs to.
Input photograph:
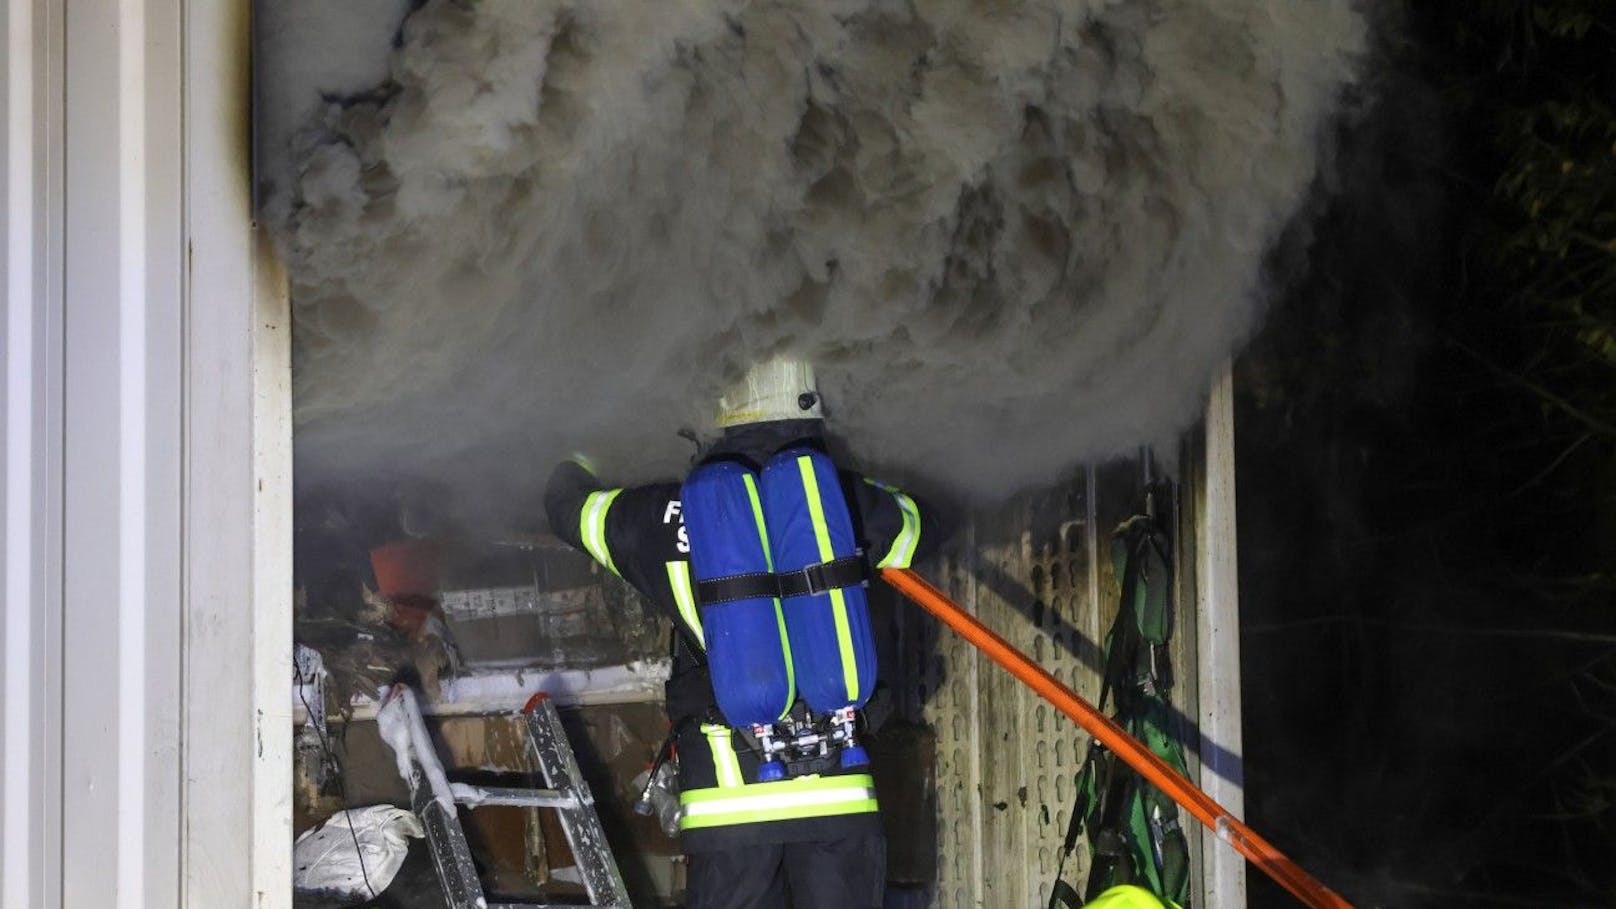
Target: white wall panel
(146, 631)
(238, 475)
(30, 485)
(1217, 618)
(121, 447)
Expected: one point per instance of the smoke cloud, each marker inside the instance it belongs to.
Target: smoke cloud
(1011, 237)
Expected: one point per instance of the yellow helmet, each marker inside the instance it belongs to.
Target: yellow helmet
(1127, 896)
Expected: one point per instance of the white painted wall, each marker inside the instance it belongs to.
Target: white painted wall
(31, 495)
(1217, 632)
(147, 624)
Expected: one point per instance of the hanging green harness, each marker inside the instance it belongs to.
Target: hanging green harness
(1133, 828)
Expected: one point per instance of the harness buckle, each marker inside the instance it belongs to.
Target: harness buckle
(824, 577)
(814, 575)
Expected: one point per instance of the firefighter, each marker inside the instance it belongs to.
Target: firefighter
(816, 836)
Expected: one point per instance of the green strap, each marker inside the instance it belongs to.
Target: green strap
(1063, 895)
(1140, 551)
(1133, 828)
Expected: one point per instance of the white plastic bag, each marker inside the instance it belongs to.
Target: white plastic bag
(327, 858)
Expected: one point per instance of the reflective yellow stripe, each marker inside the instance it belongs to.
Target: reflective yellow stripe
(903, 547)
(725, 763)
(757, 518)
(838, 603)
(804, 797)
(586, 462)
(779, 613)
(592, 527)
(684, 596)
(785, 650)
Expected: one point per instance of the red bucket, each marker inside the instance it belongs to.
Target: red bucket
(407, 575)
(406, 569)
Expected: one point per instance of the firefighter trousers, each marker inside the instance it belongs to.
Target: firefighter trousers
(845, 873)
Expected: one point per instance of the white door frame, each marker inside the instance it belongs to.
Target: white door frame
(145, 753)
(1217, 632)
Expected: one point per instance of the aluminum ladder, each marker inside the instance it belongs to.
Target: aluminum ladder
(433, 799)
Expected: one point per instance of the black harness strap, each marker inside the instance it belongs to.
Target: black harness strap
(736, 587)
(823, 577)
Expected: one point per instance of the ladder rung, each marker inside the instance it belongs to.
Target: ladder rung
(552, 753)
(480, 796)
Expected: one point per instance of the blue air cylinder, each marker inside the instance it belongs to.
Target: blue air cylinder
(809, 524)
(747, 652)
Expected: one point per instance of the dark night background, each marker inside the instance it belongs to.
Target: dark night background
(1427, 476)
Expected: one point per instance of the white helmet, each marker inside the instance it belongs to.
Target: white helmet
(781, 388)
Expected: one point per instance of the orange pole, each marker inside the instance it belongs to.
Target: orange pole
(1258, 850)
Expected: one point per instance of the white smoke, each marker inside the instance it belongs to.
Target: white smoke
(1012, 237)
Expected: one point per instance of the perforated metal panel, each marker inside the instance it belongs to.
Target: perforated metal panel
(1038, 572)
(952, 711)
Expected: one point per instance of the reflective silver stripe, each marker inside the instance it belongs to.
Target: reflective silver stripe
(592, 527)
(903, 548)
(685, 598)
(726, 764)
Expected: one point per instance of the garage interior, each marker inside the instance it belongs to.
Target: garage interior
(513, 229)
(975, 772)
